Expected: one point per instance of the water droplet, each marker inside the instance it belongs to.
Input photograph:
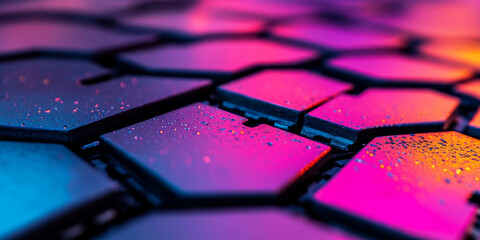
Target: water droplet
(359, 160)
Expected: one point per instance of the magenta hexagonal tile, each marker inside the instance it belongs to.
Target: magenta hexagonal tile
(221, 58)
(281, 96)
(417, 185)
(248, 223)
(348, 119)
(340, 37)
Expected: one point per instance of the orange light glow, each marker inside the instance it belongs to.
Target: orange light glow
(424, 189)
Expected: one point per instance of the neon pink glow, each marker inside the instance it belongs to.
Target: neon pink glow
(418, 184)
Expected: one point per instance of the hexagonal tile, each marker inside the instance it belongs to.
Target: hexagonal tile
(44, 99)
(281, 96)
(46, 186)
(262, 223)
(398, 70)
(414, 185)
(216, 58)
(24, 37)
(348, 119)
(202, 155)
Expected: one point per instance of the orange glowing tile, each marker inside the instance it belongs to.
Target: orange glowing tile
(423, 192)
(474, 126)
(461, 51)
(471, 89)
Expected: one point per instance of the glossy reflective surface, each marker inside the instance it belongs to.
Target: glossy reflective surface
(262, 223)
(40, 181)
(461, 51)
(471, 89)
(381, 108)
(400, 69)
(201, 151)
(418, 184)
(474, 126)
(338, 37)
(436, 19)
(198, 171)
(296, 90)
(73, 38)
(283, 94)
(228, 56)
(263, 9)
(87, 7)
(45, 96)
(197, 20)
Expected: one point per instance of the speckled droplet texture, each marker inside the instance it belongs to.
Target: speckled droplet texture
(380, 111)
(46, 95)
(376, 108)
(202, 150)
(418, 184)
